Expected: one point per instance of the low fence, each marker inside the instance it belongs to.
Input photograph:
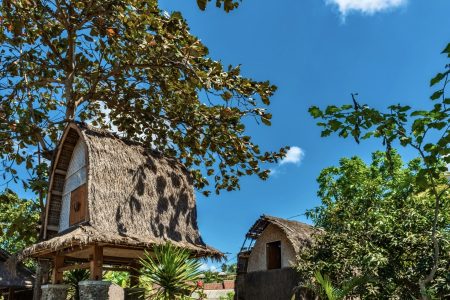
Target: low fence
(225, 285)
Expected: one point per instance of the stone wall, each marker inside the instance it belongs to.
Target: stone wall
(54, 291)
(100, 290)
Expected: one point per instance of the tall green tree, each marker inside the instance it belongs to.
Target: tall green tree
(127, 65)
(18, 221)
(377, 222)
(425, 131)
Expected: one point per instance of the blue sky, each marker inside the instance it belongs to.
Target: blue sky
(317, 52)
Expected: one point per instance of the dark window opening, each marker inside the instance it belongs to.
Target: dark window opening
(273, 255)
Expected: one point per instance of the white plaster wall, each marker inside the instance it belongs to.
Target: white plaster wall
(76, 176)
(257, 259)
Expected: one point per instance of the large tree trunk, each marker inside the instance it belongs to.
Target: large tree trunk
(42, 269)
(38, 282)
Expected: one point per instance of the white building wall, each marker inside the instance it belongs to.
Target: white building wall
(272, 233)
(75, 177)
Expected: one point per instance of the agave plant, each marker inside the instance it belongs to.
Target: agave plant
(72, 278)
(171, 271)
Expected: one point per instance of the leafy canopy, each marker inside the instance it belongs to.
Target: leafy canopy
(18, 222)
(427, 132)
(377, 222)
(126, 65)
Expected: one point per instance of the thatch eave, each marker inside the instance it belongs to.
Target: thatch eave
(85, 236)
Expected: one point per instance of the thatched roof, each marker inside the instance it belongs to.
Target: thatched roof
(298, 233)
(136, 197)
(22, 277)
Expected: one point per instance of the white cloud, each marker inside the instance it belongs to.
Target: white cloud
(365, 6)
(293, 156)
(206, 267)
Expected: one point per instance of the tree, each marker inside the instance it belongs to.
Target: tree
(18, 222)
(377, 222)
(127, 65)
(427, 132)
(229, 268)
(172, 270)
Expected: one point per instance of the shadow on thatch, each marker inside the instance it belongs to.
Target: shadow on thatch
(134, 195)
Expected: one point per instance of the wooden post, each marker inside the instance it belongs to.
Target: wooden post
(96, 264)
(11, 294)
(134, 275)
(57, 275)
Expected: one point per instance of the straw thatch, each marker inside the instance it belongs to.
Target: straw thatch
(20, 277)
(136, 197)
(299, 234)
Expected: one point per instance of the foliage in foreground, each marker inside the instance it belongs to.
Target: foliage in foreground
(424, 131)
(127, 65)
(377, 223)
(323, 287)
(18, 222)
(72, 278)
(229, 296)
(121, 278)
(171, 271)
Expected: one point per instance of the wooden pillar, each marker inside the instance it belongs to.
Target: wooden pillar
(57, 275)
(134, 275)
(96, 263)
(11, 294)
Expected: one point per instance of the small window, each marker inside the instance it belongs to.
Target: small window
(273, 255)
(78, 205)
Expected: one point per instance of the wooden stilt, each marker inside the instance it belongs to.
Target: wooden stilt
(57, 275)
(96, 263)
(11, 294)
(134, 275)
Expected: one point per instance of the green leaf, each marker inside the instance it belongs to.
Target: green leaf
(436, 95)
(315, 112)
(437, 78)
(447, 50)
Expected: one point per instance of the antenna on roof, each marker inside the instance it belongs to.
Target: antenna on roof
(296, 216)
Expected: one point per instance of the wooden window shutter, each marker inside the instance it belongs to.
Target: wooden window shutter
(273, 255)
(78, 205)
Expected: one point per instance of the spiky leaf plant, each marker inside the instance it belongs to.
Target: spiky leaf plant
(72, 278)
(324, 288)
(171, 271)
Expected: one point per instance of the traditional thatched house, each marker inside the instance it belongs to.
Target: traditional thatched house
(267, 257)
(109, 200)
(15, 285)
